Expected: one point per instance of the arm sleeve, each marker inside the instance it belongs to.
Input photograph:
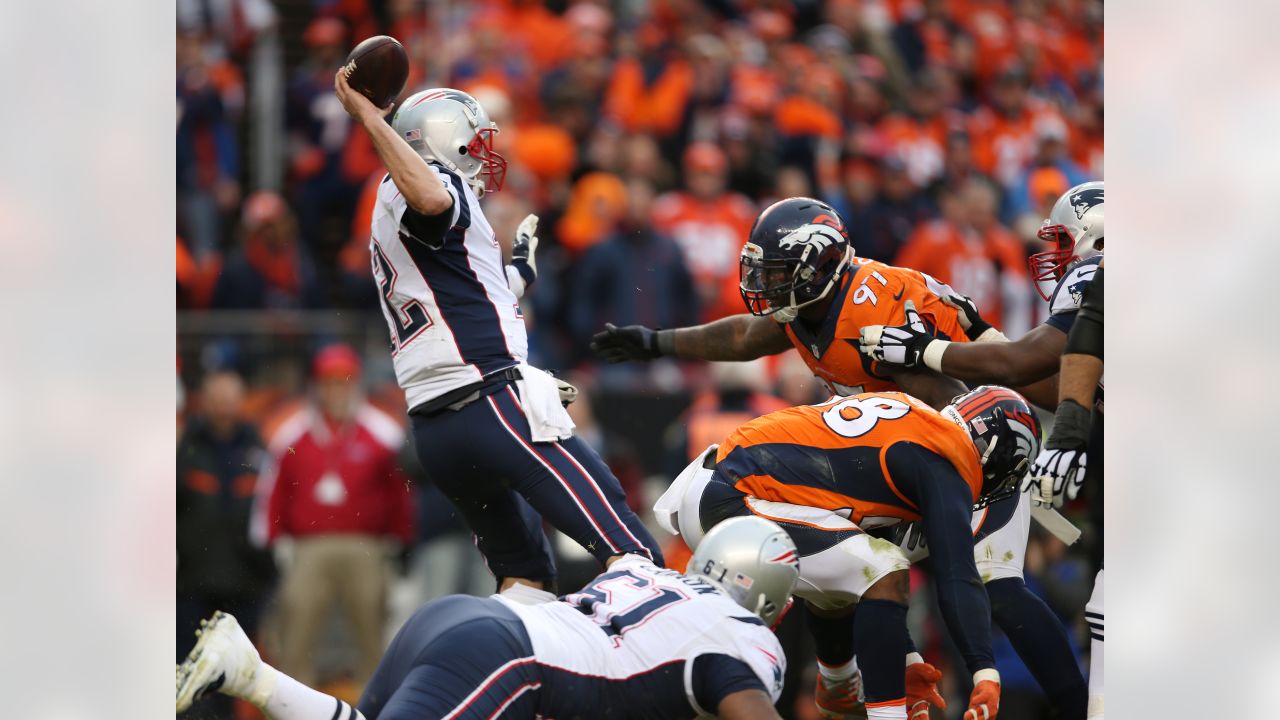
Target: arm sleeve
(946, 504)
(1085, 337)
(717, 676)
(430, 229)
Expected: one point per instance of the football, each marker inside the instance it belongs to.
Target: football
(378, 68)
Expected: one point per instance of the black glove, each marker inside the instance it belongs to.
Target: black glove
(974, 325)
(633, 342)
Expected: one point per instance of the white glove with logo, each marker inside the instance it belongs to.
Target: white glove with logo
(897, 344)
(1058, 472)
(523, 269)
(1056, 476)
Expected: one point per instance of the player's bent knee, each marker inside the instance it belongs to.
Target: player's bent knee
(895, 587)
(848, 570)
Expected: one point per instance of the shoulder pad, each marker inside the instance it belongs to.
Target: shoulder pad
(1067, 295)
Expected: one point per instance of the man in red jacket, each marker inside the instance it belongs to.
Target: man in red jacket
(335, 491)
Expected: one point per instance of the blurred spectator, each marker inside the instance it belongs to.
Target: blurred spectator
(710, 224)
(649, 93)
(901, 208)
(1051, 154)
(334, 504)
(968, 249)
(219, 456)
(208, 154)
(196, 278)
(230, 24)
(1005, 133)
(636, 276)
(598, 201)
(919, 135)
(269, 269)
(318, 128)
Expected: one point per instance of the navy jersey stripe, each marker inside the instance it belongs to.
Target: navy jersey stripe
(853, 471)
(1065, 319)
(460, 296)
(657, 693)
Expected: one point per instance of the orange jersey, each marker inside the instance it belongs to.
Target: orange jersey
(872, 293)
(833, 456)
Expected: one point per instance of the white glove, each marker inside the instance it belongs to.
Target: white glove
(568, 393)
(525, 245)
(1056, 475)
(898, 344)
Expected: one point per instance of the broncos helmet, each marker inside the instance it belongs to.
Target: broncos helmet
(753, 560)
(1006, 433)
(449, 127)
(1074, 227)
(794, 256)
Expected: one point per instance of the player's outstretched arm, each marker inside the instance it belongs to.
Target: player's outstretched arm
(928, 385)
(747, 705)
(737, 337)
(417, 182)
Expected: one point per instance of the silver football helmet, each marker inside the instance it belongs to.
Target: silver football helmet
(753, 561)
(449, 127)
(1074, 226)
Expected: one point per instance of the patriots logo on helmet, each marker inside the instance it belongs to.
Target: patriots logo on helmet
(787, 558)
(1084, 200)
(818, 237)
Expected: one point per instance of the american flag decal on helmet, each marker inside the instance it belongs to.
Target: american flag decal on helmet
(743, 581)
(787, 558)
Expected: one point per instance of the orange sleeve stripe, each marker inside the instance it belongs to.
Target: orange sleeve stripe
(983, 521)
(792, 521)
(766, 487)
(887, 703)
(884, 470)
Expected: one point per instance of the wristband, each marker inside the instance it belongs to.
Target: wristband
(932, 354)
(913, 658)
(991, 335)
(665, 341)
(986, 674)
(1070, 427)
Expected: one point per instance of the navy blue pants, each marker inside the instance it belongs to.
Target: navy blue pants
(486, 462)
(458, 657)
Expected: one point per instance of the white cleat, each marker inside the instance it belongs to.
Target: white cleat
(224, 659)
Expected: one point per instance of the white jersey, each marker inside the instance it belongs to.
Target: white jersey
(628, 641)
(1064, 303)
(452, 316)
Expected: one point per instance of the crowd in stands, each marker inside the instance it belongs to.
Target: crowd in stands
(647, 136)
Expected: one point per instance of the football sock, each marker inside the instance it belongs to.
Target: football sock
(881, 643)
(291, 700)
(832, 637)
(1041, 641)
(1093, 614)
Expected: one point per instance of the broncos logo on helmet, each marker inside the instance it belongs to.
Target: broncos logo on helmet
(795, 254)
(1006, 433)
(818, 237)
